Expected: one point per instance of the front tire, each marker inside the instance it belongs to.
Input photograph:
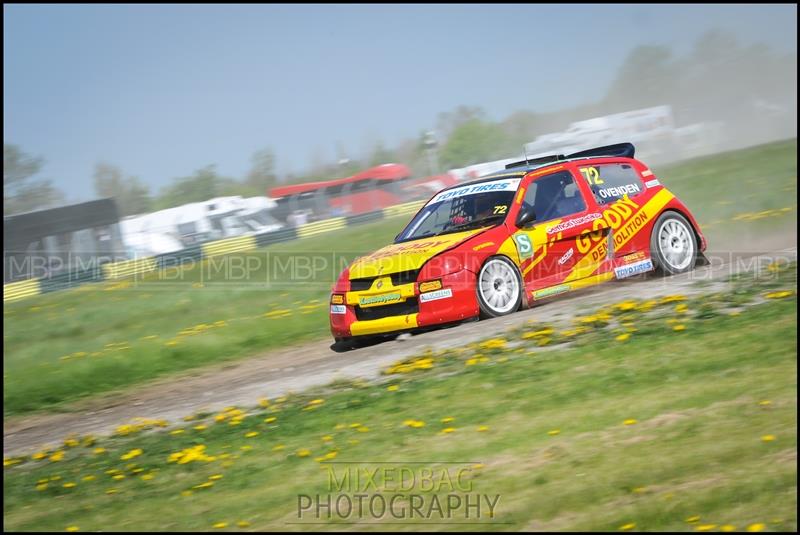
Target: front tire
(499, 287)
(673, 244)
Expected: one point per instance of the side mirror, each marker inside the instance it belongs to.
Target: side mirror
(525, 217)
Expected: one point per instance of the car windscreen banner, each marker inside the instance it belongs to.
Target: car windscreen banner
(510, 184)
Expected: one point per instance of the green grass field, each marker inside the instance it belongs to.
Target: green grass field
(102, 337)
(688, 423)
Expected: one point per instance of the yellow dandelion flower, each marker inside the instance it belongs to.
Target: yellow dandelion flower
(270, 419)
(447, 420)
(622, 337)
(756, 527)
(554, 432)
(362, 429)
(477, 466)
(41, 486)
(73, 528)
(327, 438)
(243, 524)
(220, 525)
(57, 456)
(679, 327)
(448, 430)
(705, 527)
(765, 402)
(251, 434)
(88, 478)
(693, 519)
(148, 476)
(629, 421)
(392, 388)
(131, 454)
(778, 295)
(278, 447)
(112, 491)
(727, 528)
(177, 431)
(200, 427)
(303, 452)
(768, 438)
(627, 527)
(99, 451)
(215, 477)
(119, 477)
(69, 485)
(482, 428)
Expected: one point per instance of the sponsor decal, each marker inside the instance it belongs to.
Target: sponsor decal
(438, 294)
(647, 172)
(571, 223)
(338, 309)
(337, 299)
(633, 257)
(375, 300)
(553, 290)
(635, 268)
(430, 285)
(619, 191)
(483, 245)
(563, 260)
(622, 218)
(652, 183)
(493, 185)
(524, 246)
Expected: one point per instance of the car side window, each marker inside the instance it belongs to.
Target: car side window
(610, 182)
(554, 196)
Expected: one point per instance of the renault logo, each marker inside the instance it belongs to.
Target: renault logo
(379, 285)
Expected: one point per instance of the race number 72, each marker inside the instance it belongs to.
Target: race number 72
(592, 175)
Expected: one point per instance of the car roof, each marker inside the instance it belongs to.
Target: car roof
(525, 169)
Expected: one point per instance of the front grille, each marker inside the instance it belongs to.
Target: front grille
(402, 277)
(409, 306)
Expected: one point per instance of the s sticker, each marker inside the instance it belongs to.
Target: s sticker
(338, 309)
(524, 246)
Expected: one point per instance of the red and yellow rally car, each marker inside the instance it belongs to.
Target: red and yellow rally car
(537, 229)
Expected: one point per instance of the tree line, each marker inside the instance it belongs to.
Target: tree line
(752, 89)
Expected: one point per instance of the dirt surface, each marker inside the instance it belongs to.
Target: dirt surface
(297, 368)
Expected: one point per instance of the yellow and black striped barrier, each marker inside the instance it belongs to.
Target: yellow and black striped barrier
(403, 209)
(127, 268)
(21, 290)
(326, 225)
(238, 244)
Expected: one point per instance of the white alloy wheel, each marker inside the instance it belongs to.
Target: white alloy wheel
(498, 287)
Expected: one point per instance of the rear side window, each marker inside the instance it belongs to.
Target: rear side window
(610, 182)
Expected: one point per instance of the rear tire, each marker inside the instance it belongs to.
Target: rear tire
(499, 287)
(673, 244)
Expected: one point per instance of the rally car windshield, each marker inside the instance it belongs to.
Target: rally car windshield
(465, 208)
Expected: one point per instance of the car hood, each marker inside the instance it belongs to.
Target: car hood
(407, 256)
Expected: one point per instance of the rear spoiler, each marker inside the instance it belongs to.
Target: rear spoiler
(619, 150)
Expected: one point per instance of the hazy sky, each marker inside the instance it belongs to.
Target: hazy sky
(164, 90)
